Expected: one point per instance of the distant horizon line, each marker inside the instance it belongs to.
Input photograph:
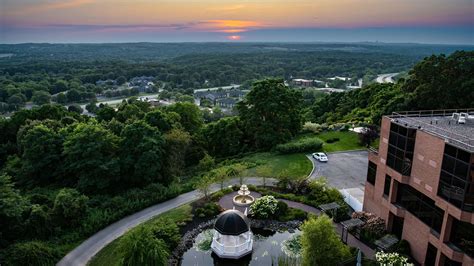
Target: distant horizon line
(248, 42)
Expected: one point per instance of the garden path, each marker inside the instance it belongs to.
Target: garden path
(83, 253)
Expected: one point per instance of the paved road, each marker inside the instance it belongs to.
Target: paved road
(343, 169)
(85, 251)
(386, 78)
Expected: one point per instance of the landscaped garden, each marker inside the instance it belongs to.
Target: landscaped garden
(288, 229)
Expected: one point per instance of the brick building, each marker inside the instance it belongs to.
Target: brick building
(421, 181)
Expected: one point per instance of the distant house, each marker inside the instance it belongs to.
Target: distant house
(215, 95)
(227, 103)
(109, 82)
(234, 93)
(143, 83)
(302, 82)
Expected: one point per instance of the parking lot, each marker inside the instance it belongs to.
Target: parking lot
(344, 169)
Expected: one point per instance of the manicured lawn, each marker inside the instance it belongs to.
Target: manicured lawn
(296, 164)
(110, 255)
(347, 141)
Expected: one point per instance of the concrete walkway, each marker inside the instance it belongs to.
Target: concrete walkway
(81, 255)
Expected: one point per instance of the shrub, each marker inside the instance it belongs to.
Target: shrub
(293, 214)
(321, 244)
(208, 210)
(227, 190)
(70, 206)
(31, 253)
(394, 259)
(302, 145)
(167, 231)
(282, 208)
(312, 127)
(217, 195)
(264, 207)
(332, 140)
(321, 193)
(252, 187)
(141, 247)
(403, 248)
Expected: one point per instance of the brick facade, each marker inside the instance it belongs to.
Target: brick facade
(424, 177)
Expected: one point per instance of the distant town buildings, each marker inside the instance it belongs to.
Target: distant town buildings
(143, 84)
(302, 82)
(222, 98)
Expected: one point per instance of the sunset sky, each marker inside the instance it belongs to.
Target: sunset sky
(424, 21)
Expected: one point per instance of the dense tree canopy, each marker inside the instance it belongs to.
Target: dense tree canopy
(438, 82)
(224, 137)
(271, 113)
(90, 157)
(41, 148)
(142, 152)
(442, 82)
(190, 116)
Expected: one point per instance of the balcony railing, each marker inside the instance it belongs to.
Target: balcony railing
(373, 150)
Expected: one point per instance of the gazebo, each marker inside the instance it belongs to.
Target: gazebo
(232, 236)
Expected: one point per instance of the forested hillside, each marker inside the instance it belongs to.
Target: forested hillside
(437, 82)
(64, 176)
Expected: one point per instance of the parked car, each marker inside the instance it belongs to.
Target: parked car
(320, 156)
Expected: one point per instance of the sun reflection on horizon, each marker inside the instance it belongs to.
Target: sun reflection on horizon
(234, 37)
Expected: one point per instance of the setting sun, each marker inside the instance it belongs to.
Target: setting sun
(234, 37)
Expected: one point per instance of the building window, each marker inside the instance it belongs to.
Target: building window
(456, 184)
(421, 206)
(386, 185)
(371, 173)
(431, 253)
(448, 262)
(401, 144)
(462, 236)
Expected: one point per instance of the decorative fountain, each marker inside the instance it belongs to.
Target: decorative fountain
(243, 197)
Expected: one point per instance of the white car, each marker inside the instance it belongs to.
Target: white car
(320, 156)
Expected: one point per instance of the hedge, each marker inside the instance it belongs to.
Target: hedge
(302, 145)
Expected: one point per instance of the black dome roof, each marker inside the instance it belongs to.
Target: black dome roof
(232, 222)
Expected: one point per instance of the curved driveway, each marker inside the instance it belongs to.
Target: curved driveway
(86, 250)
(347, 169)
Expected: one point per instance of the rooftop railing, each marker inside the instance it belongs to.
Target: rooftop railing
(450, 136)
(431, 113)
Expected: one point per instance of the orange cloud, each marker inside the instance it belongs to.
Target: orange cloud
(36, 8)
(229, 26)
(227, 8)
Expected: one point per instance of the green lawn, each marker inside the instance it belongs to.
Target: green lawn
(110, 255)
(347, 141)
(296, 164)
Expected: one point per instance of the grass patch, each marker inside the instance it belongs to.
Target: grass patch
(110, 255)
(296, 165)
(348, 140)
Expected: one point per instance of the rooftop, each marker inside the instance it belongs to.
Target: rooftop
(232, 222)
(441, 123)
